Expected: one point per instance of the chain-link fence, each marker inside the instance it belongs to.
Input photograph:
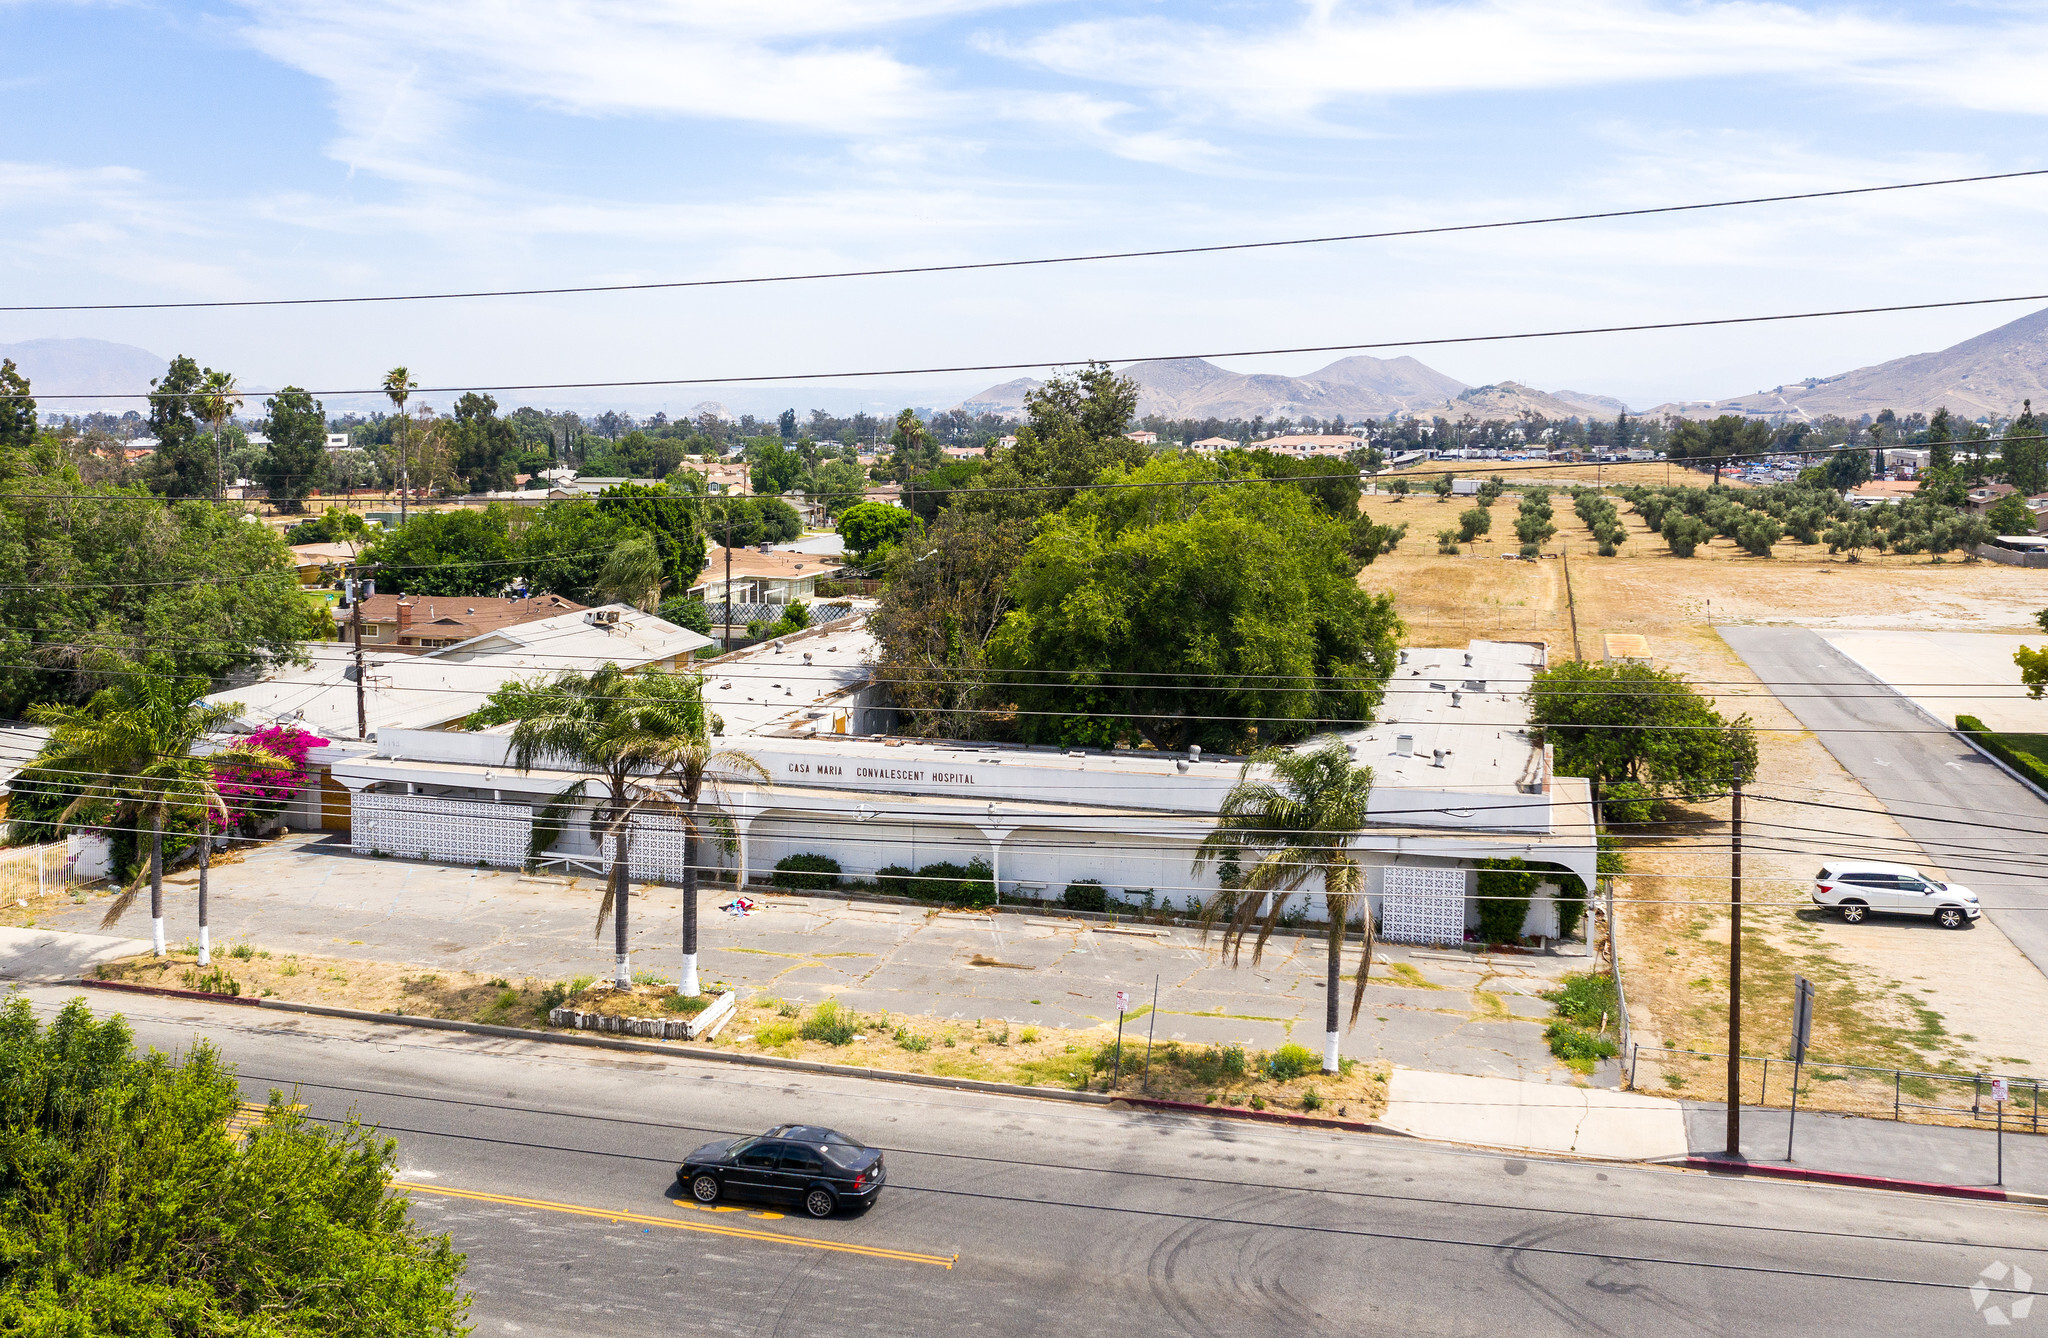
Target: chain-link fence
(1849, 1089)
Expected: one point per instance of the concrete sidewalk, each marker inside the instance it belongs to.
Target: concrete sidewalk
(1534, 1117)
(37, 956)
(1858, 1145)
(1443, 1010)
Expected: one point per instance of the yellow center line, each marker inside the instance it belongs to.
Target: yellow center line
(709, 1228)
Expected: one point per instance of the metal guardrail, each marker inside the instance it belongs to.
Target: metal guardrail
(1871, 1088)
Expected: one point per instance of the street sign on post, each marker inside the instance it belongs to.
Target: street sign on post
(1802, 1017)
(1999, 1092)
(1802, 1034)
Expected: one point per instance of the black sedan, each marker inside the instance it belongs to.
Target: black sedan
(801, 1164)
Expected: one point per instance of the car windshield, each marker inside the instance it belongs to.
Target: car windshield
(741, 1145)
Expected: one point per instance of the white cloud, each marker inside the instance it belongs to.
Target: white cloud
(404, 73)
(1345, 53)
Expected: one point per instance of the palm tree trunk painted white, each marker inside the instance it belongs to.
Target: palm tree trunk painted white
(1335, 974)
(205, 935)
(623, 975)
(689, 986)
(156, 884)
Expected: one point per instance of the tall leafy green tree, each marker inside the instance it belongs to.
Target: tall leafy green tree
(870, 526)
(667, 517)
(131, 1209)
(1635, 726)
(1074, 430)
(2025, 453)
(95, 578)
(637, 734)
(177, 469)
(296, 461)
(2010, 514)
(1298, 821)
(563, 546)
(1222, 615)
(129, 750)
(465, 552)
(1940, 432)
(944, 599)
(773, 468)
(484, 446)
(17, 410)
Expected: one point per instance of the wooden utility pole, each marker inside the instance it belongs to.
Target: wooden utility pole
(1735, 972)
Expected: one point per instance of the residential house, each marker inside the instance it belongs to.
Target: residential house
(761, 577)
(415, 624)
(1144, 438)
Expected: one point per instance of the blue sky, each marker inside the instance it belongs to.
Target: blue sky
(162, 152)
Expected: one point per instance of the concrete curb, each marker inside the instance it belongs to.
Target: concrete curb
(1267, 1116)
(757, 1061)
(1723, 1166)
(2000, 763)
(609, 1043)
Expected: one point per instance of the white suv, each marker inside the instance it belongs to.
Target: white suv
(1858, 889)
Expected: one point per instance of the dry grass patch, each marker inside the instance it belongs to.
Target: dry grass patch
(378, 987)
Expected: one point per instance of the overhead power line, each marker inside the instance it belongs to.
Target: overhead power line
(1083, 258)
(1044, 363)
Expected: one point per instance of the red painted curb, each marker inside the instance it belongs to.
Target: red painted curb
(1240, 1112)
(129, 987)
(1848, 1178)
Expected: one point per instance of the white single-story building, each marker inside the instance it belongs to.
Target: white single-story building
(1458, 779)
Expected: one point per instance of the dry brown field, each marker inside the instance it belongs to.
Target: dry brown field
(1890, 995)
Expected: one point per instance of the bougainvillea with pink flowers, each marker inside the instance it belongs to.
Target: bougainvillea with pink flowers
(256, 795)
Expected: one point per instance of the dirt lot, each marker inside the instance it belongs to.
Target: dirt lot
(992, 1049)
(1889, 995)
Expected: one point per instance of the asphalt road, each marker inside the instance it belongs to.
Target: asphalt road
(1983, 828)
(554, 1170)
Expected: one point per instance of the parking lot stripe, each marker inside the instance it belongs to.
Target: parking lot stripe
(709, 1228)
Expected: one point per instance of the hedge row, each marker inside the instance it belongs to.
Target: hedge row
(2026, 763)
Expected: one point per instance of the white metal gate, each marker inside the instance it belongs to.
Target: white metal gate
(1422, 905)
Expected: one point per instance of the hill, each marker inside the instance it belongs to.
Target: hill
(1986, 375)
(1507, 400)
(85, 367)
(1355, 387)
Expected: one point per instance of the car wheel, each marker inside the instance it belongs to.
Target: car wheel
(1951, 917)
(1854, 911)
(704, 1188)
(820, 1203)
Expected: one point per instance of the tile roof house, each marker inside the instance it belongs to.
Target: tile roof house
(762, 578)
(418, 623)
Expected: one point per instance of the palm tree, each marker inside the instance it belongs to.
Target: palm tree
(217, 401)
(639, 733)
(398, 384)
(1299, 825)
(632, 574)
(131, 747)
(702, 774)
